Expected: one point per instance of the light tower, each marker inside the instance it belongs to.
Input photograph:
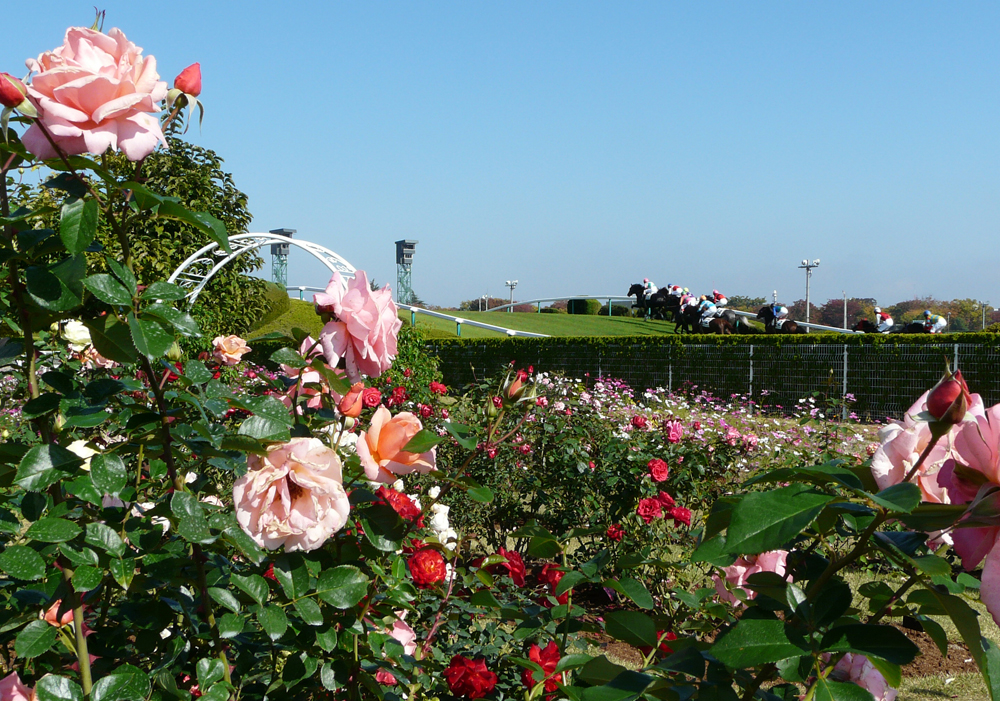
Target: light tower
(404, 268)
(511, 284)
(279, 258)
(809, 271)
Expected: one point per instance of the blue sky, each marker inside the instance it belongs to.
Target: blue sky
(579, 147)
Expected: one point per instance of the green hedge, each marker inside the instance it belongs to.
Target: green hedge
(583, 306)
(884, 373)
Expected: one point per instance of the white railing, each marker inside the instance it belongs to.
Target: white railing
(820, 327)
(610, 298)
(457, 320)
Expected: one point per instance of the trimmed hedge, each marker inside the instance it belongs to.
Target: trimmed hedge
(885, 373)
(583, 306)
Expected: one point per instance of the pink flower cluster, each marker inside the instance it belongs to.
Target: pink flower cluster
(737, 574)
(363, 326)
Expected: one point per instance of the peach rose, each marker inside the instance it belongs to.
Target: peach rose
(352, 403)
(381, 447)
(93, 93)
(230, 349)
(857, 668)
(738, 573)
(12, 689)
(52, 617)
(293, 496)
(363, 327)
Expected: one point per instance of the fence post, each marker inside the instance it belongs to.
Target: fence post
(956, 356)
(751, 378)
(458, 329)
(843, 392)
(413, 318)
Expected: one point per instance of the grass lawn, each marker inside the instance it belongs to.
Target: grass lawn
(300, 314)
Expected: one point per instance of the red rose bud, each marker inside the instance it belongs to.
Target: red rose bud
(353, 401)
(12, 90)
(949, 399)
(189, 80)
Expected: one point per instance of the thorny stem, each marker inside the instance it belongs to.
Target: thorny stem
(161, 406)
(894, 598)
(437, 618)
(923, 456)
(206, 602)
(82, 653)
(840, 564)
(766, 672)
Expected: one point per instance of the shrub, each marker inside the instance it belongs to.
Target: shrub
(277, 303)
(616, 310)
(583, 306)
(556, 310)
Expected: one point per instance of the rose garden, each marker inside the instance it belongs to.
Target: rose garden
(184, 515)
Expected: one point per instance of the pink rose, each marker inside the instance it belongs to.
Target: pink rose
(93, 93)
(859, 669)
(363, 327)
(53, 618)
(351, 403)
(674, 430)
(737, 573)
(189, 80)
(308, 349)
(381, 447)
(404, 635)
(293, 496)
(229, 349)
(11, 689)
(12, 90)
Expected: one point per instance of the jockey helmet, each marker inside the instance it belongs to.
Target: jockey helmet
(927, 312)
(645, 279)
(716, 293)
(878, 310)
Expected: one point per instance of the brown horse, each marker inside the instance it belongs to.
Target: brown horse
(766, 314)
(691, 318)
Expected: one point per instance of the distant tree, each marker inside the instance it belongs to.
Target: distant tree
(474, 305)
(797, 311)
(746, 304)
(832, 313)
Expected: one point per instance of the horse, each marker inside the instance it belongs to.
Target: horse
(912, 327)
(691, 319)
(656, 307)
(865, 326)
(766, 314)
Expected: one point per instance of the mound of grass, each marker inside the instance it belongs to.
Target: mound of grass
(300, 314)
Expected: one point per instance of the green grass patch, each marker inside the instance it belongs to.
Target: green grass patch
(300, 314)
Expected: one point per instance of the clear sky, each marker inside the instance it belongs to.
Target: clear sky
(579, 147)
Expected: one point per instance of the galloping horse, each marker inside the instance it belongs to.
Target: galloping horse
(912, 327)
(766, 314)
(656, 307)
(865, 326)
(691, 318)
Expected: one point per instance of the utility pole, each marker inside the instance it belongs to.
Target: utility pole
(845, 309)
(808, 267)
(511, 284)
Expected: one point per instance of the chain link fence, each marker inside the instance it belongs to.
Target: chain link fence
(884, 379)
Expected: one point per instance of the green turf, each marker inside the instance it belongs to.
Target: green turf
(302, 314)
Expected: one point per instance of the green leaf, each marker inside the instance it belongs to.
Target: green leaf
(53, 688)
(828, 690)
(196, 371)
(108, 473)
(289, 357)
(342, 587)
(626, 686)
(36, 638)
(309, 610)
(631, 627)
(123, 274)
(764, 521)
(885, 642)
(59, 287)
(53, 530)
(78, 224)
(891, 671)
(224, 597)
(21, 562)
(191, 522)
(572, 662)
(107, 289)
(112, 339)
(292, 575)
(270, 422)
(202, 221)
(164, 291)
(150, 339)
(126, 683)
(754, 642)
(903, 497)
(41, 405)
(253, 585)
(123, 570)
(231, 625)
(422, 442)
(273, 620)
(209, 671)
(465, 435)
(105, 538)
(86, 578)
(183, 322)
(637, 592)
(484, 598)
(44, 465)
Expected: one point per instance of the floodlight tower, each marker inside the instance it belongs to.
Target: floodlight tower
(404, 268)
(279, 258)
(511, 284)
(809, 271)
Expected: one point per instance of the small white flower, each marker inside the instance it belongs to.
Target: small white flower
(76, 334)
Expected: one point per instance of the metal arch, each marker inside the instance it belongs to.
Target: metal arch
(195, 272)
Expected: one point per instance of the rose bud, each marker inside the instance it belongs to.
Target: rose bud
(189, 80)
(353, 401)
(12, 90)
(949, 399)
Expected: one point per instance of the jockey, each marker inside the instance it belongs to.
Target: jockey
(934, 323)
(780, 312)
(707, 309)
(883, 321)
(719, 298)
(688, 299)
(676, 291)
(648, 288)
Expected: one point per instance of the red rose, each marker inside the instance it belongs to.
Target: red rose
(666, 500)
(444, 413)
(438, 388)
(649, 509)
(658, 469)
(949, 399)
(514, 565)
(696, 425)
(407, 372)
(402, 505)
(615, 532)
(425, 411)
(383, 676)
(371, 397)
(189, 80)
(497, 402)
(679, 513)
(547, 659)
(664, 648)
(12, 90)
(550, 576)
(427, 568)
(469, 678)
(639, 421)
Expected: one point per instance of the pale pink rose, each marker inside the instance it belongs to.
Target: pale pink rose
(976, 464)
(11, 689)
(675, 431)
(737, 573)
(902, 442)
(293, 496)
(364, 326)
(381, 447)
(93, 93)
(859, 669)
(308, 349)
(405, 636)
(52, 617)
(229, 349)
(92, 359)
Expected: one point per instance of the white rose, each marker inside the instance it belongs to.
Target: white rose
(76, 334)
(83, 450)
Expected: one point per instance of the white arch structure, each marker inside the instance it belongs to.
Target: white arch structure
(195, 272)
